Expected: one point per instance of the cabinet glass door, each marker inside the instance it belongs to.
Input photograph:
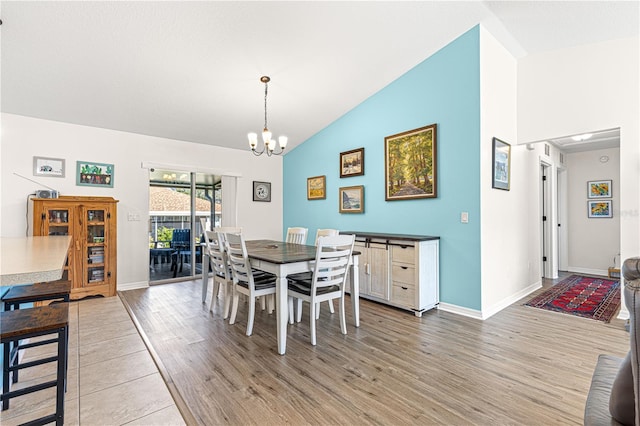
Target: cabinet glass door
(94, 247)
(58, 221)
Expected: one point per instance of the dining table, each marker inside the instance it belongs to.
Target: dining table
(282, 259)
(27, 260)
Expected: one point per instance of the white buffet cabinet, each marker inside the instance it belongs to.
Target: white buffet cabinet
(399, 270)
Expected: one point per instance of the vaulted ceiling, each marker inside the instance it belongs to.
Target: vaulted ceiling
(190, 70)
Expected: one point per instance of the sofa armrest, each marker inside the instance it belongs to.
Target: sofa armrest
(596, 410)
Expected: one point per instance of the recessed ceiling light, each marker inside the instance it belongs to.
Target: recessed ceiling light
(583, 137)
(604, 158)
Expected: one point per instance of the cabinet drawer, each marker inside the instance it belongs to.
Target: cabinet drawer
(403, 274)
(403, 294)
(404, 254)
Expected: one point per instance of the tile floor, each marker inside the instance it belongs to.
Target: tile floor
(112, 379)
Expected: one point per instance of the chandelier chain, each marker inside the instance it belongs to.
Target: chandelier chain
(266, 85)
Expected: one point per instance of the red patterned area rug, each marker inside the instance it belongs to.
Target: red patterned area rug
(587, 297)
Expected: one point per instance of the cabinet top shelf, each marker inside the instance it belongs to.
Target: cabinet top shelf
(383, 236)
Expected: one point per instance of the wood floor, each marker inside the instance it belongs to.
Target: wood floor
(522, 366)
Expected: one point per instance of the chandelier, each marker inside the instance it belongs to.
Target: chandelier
(269, 144)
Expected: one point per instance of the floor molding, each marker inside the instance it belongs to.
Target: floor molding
(186, 413)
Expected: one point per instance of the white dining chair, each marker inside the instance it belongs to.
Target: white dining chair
(222, 276)
(327, 232)
(244, 281)
(297, 235)
(328, 280)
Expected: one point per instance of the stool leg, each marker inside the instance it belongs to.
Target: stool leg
(5, 372)
(62, 374)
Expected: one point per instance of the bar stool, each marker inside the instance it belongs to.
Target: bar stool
(35, 322)
(39, 292)
(33, 293)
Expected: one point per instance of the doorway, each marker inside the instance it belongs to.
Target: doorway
(547, 252)
(566, 166)
(177, 202)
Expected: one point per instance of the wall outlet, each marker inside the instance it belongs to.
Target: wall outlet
(464, 217)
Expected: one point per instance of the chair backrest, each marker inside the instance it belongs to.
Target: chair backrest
(325, 233)
(181, 238)
(217, 256)
(333, 257)
(238, 259)
(297, 235)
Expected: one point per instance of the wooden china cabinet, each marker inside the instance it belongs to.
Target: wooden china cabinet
(92, 222)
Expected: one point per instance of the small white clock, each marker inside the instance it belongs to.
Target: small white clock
(261, 191)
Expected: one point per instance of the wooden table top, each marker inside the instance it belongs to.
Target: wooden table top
(26, 260)
(279, 252)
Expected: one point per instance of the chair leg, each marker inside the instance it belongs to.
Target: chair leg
(330, 302)
(226, 293)
(317, 310)
(299, 310)
(234, 309)
(216, 289)
(271, 303)
(290, 305)
(312, 322)
(343, 320)
(263, 303)
(252, 315)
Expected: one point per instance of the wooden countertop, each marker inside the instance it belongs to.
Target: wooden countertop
(384, 236)
(26, 260)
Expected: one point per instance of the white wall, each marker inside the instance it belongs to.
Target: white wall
(506, 274)
(588, 88)
(593, 243)
(24, 137)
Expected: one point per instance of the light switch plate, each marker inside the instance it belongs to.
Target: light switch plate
(464, 217)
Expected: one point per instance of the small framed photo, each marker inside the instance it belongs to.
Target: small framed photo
(262, 191)
(599, 189)
(89, 173)
(501, 165)
(352, 163)
(351, 199)
(600, 208)
(316, 188)
(43, 166)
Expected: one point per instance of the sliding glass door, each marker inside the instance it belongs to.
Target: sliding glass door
(178, 200)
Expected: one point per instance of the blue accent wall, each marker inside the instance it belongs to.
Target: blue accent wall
(444, 89)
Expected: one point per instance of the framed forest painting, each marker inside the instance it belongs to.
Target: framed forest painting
(410, 164)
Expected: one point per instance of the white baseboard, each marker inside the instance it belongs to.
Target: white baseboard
(486, 313)
(455, 309)
(588, 271)
(497, 307)
(133, 286)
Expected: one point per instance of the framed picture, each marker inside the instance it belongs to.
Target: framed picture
(262, 191)
(600, 208)
(501, 165)
(89, 173)
(43, 166)
(599, 189)
(410, 164)
(351, 199)
(316, 188)
(352, 163)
